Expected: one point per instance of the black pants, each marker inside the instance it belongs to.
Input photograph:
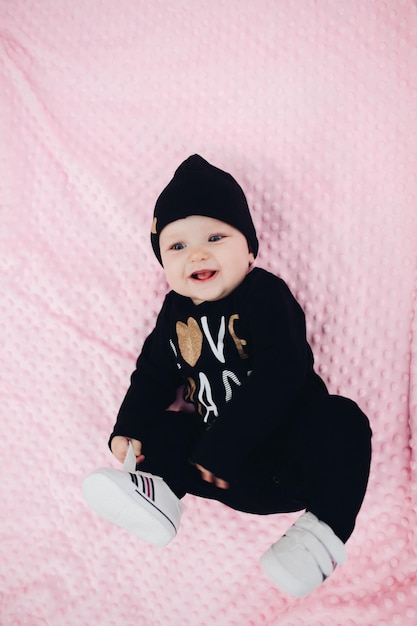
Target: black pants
(319, 462)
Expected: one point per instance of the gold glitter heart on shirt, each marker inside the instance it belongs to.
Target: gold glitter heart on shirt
(190, 340)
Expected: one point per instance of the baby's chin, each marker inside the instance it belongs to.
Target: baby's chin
(200, 291)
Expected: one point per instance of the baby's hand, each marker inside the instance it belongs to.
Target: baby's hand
(209, 477)
(119, 446)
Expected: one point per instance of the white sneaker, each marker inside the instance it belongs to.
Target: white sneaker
(304, 557)
(139, 502)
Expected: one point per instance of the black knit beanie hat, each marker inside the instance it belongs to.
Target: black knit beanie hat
(199, 188)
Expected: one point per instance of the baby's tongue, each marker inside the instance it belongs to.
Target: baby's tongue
(204, 275)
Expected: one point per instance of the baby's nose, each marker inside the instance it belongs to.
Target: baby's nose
(199, 253)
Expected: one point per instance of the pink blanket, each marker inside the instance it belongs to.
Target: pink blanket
(313, 107)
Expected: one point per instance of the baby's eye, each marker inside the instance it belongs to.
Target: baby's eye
(215, 238)
(177, 246)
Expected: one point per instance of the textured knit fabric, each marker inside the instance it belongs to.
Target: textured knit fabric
(199, 188)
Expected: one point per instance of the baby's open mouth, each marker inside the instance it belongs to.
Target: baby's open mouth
(203, 275)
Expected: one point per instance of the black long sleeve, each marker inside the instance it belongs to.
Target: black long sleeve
(153, 384)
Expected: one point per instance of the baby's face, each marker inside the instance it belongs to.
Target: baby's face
(203, 258)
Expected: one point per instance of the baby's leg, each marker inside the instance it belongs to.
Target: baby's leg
(329, 443)
(332, 444)
(146, 502)
(167, 447)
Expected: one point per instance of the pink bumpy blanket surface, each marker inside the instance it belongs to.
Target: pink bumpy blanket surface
(313, 108)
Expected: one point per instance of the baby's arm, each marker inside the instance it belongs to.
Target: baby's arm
(119, 446)
(153, 388)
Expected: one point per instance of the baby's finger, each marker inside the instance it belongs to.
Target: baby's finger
(137, 446)
(205, 474)
(222, 484)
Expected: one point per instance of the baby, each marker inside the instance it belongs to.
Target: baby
(258, 430)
